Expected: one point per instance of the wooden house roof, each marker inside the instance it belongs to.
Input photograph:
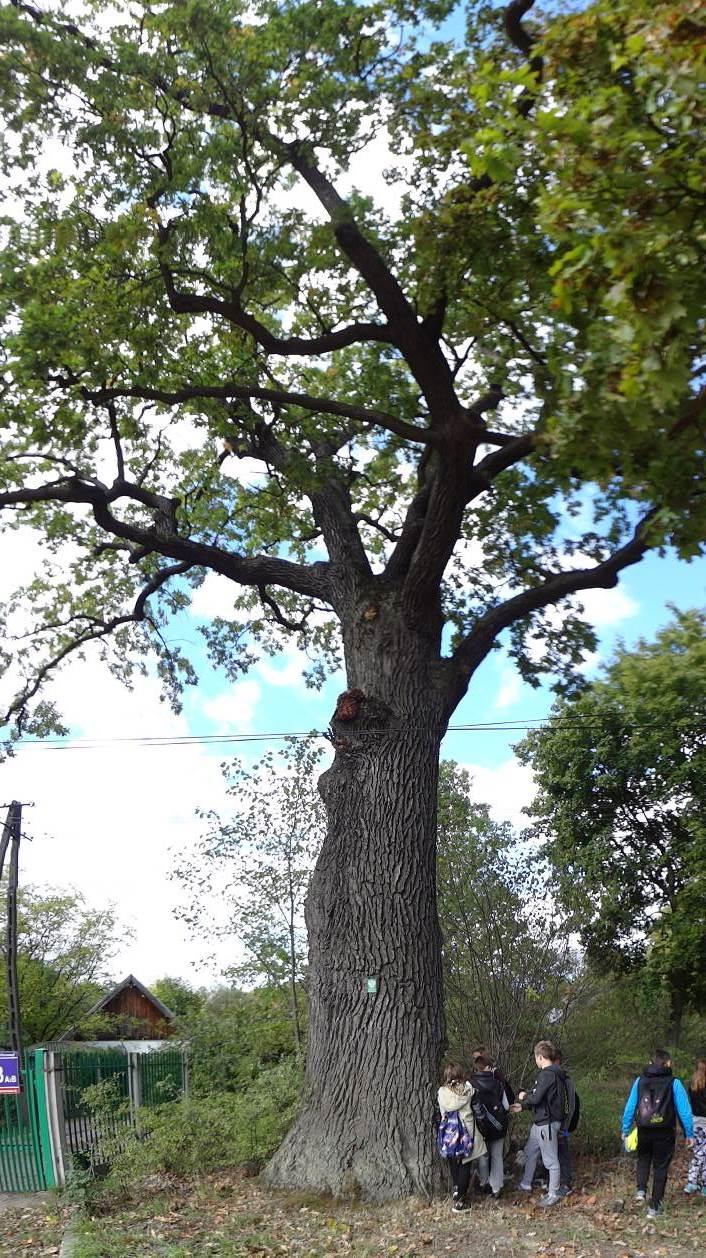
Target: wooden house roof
(112, 998)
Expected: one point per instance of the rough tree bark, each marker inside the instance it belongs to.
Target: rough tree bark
(371, 913)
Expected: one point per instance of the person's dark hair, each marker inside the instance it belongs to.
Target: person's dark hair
(480, 1051)
(698, 1079)
(482, 1061)
(557, 1058)
(545, 1048)
(661, 1057)
(453, 1072)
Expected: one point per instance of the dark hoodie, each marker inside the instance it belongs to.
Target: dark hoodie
(547, 1096)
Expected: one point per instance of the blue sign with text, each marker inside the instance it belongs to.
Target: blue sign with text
(9, 1073)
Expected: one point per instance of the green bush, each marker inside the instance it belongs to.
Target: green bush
(602, 1104)
(206, 1133)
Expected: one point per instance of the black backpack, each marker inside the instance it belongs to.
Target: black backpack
(487, 1107)
(568, 1102)
(574, 1120)
(655, 1103)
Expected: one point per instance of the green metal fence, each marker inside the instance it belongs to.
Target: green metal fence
(57, 1121)
(162, 1076)
(90, 1128)
(96, 1122)
(25, 1155)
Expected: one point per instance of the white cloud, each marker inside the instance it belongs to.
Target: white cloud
(507, 789)
(510, 688)
(106, 819)
(234, 709)
(215, 597)
(608, 607)
(285, 669)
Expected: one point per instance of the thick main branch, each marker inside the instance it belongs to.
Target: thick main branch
(278, 397)
(473, 649)
(256, 570)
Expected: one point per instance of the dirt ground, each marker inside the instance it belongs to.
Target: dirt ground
(228, 1216)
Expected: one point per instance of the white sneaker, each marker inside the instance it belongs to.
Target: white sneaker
(641, 1195)
(525, 1187)
(550, 1200)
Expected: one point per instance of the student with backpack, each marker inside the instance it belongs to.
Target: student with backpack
(491, 1107)
(569, 1125)
(696, 1175)
(458, 1139)
(655, 1102)
(482, 1051)
(548, 1102)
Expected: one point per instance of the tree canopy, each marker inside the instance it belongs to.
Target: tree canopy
(621, 770)
(258, 862)
(169, 293)
(64, 950)
(508, 956)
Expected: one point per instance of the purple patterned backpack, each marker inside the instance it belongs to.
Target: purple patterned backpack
(452, 1139)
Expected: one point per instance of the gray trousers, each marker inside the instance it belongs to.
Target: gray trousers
(490, 1166)
(543, 1140)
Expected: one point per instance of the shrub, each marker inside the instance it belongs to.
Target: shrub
(198, 1134)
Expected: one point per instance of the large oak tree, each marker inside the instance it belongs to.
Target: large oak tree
(462, 410)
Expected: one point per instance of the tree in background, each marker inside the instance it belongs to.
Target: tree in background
(64, 950)
(171, 310)
(178, 995)
(621, 806)
(236, 1036)
(259, 863)
(508, 963)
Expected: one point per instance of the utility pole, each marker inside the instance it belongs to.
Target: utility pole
(11, 835)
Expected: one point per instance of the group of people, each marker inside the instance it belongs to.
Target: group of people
(476, 1106)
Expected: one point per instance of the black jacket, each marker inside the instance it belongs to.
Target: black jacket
(547, 1096)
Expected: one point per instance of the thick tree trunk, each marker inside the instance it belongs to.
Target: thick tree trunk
(376, 1022)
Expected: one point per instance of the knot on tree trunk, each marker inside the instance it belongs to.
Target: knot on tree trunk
(348, 705)
(360, 714)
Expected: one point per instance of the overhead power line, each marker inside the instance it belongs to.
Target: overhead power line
(516, 726)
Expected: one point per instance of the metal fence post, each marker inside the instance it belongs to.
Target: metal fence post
(135, 1083)
(54, 1094)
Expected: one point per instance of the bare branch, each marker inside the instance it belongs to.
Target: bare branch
(512, 450)
(376, 524)
(253, 570)
(512, 18)
(294, 626)
(418, 341)
(233, 311)
(526, 43)
(115, 434)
